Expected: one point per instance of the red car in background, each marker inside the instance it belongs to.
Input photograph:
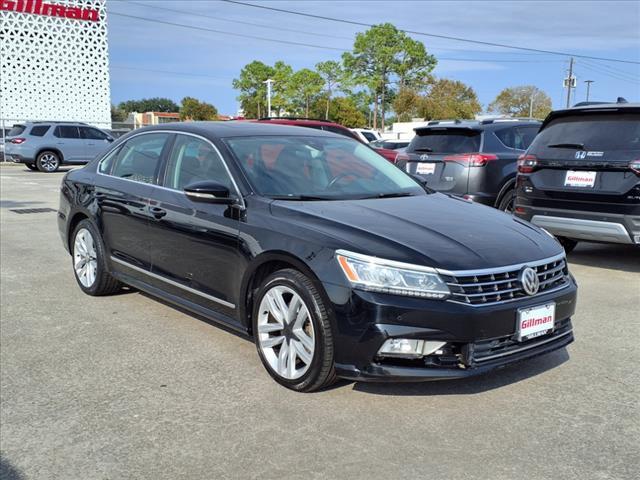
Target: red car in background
(329, 127)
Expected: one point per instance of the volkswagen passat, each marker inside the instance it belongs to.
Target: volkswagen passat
(336, 262)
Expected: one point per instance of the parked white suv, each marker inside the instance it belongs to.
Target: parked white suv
(45, 146)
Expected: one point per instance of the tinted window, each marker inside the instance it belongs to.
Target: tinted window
(138, 158)
(517, 137)
(92, 133)
(446, 141)
(194, 160)
(39, 130)
(65, 131)
(16, 130)
(597, 132)
(325, 167)
(369, 136)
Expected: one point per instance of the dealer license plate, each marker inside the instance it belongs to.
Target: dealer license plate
(535, 321)
(580, 179)
(426, 169)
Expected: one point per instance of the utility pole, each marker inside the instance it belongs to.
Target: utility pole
(569, 82)
(269, 82)
(588, 82)
(533, 94)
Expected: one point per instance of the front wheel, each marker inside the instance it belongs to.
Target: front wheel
(89, 267)
(293, 333)
(48, 162)
(567, 243)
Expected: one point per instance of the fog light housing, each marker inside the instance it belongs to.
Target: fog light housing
(409, 348)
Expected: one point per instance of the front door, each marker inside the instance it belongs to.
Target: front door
(195, 244)
(95, 141)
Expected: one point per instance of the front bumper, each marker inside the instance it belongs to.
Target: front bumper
(478, 339)
(587, 226)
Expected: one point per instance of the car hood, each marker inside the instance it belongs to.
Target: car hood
(434, 230)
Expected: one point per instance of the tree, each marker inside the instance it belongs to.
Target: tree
(406, 104)
(303, 87)
(253, 91)
(345, 112)
(332, 74)
(522, 101)
(194, 109)
(281, 95)
(117, 114)
(156, 104)
(449, 99)
(380, 55)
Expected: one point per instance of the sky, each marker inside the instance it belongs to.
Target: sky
(149, 58)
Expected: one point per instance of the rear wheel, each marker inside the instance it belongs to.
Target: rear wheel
(508, 202)
(88, 254)
(567, 243)
(31, 166)
(293, 333)
(48, 162)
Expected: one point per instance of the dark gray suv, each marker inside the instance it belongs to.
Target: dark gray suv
(45, 146)
(473, 159)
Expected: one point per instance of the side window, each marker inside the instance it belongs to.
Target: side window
(138, 158)
(194, 160)
(92, 133)
(527, 134)
(517, 137)
(66, 131)
(39, 130)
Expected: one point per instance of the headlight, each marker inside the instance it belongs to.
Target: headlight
(387, 276)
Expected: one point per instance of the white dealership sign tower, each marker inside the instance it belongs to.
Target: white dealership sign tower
(54, 61)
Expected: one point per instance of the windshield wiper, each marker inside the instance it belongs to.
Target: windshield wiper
(390, 195)
(300, 197)
(575, 146)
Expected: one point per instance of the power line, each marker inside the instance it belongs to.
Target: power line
(433, 35)
(287, 42)
(609, 74)
(241, 22)
(616, 71)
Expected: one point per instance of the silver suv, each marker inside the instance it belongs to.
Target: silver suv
(45, 146)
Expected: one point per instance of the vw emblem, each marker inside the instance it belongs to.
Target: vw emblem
(424, 156)
(529, 280)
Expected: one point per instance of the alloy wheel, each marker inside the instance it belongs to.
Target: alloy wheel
(285, 332)
(85, 262)
(49, 162)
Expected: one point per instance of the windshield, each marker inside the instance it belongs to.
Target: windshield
(592, 132)
(312, 168)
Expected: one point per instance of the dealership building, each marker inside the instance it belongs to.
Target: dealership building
(54, 61)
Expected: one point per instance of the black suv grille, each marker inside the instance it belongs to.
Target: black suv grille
(503, 285)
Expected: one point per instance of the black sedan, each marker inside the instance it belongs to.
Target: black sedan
(336, 262)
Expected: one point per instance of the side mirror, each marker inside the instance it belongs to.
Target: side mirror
(109, 139)
(210, 192)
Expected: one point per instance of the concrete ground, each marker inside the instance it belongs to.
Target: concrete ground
(128, 387)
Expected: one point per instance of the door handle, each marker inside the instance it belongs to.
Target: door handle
(157, 212)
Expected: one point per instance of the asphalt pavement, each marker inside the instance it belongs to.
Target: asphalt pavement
(128, 387)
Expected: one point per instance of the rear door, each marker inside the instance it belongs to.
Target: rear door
(441, 156)
(582, 161)
(68, 141)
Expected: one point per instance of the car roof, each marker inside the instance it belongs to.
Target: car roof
(592, 108)
(479, 125)
(298, 121)
(238, 128)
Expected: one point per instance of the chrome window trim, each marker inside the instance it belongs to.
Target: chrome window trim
(171, 282)
(174, 132)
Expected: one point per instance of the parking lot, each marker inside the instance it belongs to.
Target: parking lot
(128, 387)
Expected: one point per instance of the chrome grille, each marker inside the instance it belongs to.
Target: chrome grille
(488, 287)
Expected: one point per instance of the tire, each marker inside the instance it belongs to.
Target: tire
(312, 369)
(97, 281)
(567, 243)
(31, 166)
(48, 161)
(507, 202)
